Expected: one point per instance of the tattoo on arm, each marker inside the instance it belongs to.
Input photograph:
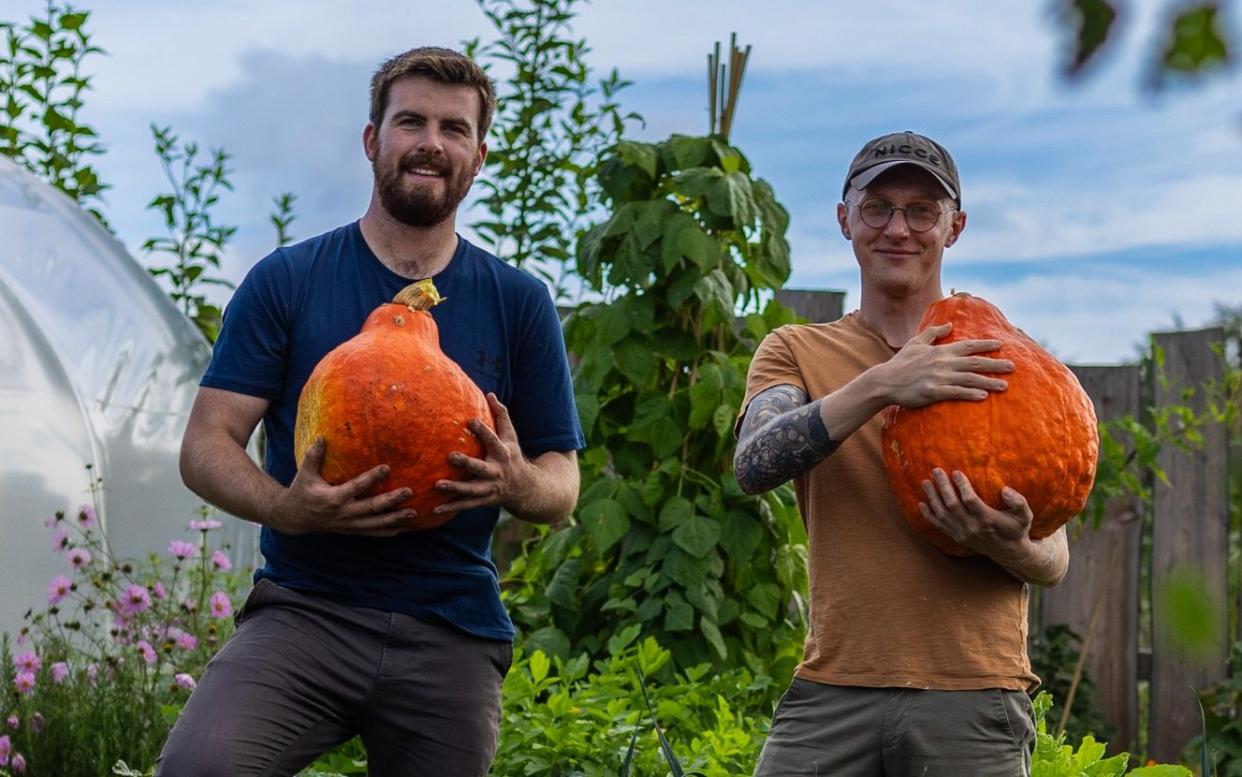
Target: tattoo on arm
(782, 436)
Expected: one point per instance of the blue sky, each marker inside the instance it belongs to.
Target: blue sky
(1097, 211)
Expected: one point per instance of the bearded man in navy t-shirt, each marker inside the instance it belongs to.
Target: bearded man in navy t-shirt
(358, 625)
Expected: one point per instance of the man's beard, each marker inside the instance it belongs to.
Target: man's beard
(419, 205)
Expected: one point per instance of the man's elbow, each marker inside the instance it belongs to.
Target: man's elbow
(745, 475)
(189, 462)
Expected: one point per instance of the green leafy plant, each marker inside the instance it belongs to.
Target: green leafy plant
(102, 671)
(554, 123)
(42, 84)
(1130, 447)
(629, 713)
(1054, 656)
(1053, 757)
(663, 537)
(1222, 704)
(195, 241)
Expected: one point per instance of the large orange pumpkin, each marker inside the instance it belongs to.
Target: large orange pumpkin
(1039, 436)
(390, 396)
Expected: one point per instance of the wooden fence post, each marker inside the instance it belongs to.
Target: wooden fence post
(817, 305)
(1189, 536)
(1099, 598)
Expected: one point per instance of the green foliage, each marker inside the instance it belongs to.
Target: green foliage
(102, 672)
(1092, 21)
(554, 124)
(663, 536)
(1222, 704)
(41, 91)
(283, 216)
(1054, 656)
(1193, 41)
(577, 717)
(1054, 758)
(1130, 447)
(194, 242)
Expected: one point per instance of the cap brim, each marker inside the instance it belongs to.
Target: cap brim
(864, 179)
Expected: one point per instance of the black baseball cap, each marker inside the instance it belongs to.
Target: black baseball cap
(903, 148)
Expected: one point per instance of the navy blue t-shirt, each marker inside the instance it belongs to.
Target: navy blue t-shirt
(497, 322)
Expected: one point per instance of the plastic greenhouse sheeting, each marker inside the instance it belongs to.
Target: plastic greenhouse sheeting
(98, 367)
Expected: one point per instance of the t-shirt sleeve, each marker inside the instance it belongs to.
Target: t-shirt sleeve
(250, 354)
(774, 365)
(542, 407)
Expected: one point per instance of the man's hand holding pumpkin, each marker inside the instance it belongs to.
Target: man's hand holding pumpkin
(954, 508)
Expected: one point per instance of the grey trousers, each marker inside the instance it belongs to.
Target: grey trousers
(824, 730)
(303, 674)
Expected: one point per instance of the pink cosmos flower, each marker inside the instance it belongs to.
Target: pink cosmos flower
(86, 516)
(185, 681)
(135, 600)
(13, 721)
(148, 652)
(187, 641)
(60, 670)
(24, 682)
(60, 539)
(159, 590)
(205, 525)
(58, 589)
(221, 561)
(181, 549)
(221, 607)
(92, 671)
(27, 662)
(19, 763)
(6, 749)
(80, 558)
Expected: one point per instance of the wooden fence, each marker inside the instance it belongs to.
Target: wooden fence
(1188, 523)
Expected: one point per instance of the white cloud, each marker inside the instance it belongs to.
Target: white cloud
(1103, 317)
(1011, 224)
(170, 55)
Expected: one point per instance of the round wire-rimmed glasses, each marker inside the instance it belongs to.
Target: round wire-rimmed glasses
(919, 216)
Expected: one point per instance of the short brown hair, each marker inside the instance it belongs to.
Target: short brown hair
(444, 66)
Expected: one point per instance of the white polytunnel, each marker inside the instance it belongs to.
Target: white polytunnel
(98, 367)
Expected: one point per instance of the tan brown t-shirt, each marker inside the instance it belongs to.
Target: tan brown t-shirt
(886, 608)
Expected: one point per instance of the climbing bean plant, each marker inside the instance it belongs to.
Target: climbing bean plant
(663, 537)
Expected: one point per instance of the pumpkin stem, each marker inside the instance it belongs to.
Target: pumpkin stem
(420, 295)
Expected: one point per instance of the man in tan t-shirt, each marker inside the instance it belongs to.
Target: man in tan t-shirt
(915, 661)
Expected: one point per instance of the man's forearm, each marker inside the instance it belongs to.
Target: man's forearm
(1045, 563)
(782, 437)
(785, 445)
(551, 490)
(221, 472)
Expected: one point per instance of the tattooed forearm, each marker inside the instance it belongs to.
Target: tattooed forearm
(782, 436)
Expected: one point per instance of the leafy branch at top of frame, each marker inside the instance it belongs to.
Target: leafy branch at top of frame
(1193, 40)
(1130, 447)
(42, 85)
